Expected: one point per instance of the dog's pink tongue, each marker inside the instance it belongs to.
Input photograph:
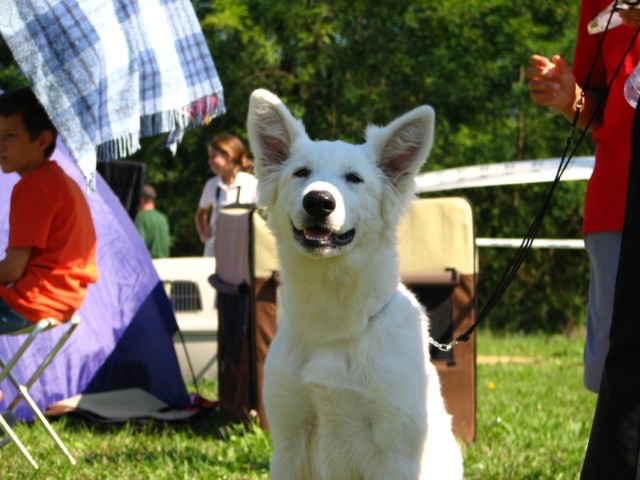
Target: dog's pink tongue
(317, 234)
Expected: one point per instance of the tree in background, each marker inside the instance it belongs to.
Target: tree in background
(342, 64)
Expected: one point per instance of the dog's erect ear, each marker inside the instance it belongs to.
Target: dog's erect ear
(272, 130)
(403, 145)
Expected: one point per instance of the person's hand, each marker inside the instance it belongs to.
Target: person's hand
(630, 17)
(206, 234)
(551, 82)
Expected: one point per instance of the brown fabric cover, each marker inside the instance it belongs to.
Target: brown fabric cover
(265, 330)
(458, 377)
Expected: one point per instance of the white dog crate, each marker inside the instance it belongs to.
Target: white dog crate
(193, 300)
(438, 263)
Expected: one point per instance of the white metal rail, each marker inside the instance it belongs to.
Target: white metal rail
(571, 244)
(505, 173)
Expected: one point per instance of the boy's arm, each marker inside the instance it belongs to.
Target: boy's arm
(13, 265)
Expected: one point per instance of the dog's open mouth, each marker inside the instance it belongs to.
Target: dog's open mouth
(318, 237)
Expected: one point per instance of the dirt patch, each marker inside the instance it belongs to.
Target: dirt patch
(493, 359)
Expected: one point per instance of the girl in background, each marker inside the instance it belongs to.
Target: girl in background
(231, 184)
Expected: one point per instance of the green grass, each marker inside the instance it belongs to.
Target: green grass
(533, 422)
(533, 419)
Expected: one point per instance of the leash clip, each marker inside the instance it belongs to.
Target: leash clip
(442, 347)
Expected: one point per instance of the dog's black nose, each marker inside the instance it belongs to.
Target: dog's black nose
(319, 203)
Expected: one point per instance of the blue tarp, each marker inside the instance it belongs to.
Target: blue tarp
(125, 335)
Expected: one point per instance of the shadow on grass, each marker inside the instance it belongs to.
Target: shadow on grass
(209, 424)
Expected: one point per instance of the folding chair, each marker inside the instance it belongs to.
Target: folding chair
(246, 281)
(23, 388)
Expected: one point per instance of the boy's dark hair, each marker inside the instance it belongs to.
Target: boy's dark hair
(23, 102)
(148, 192)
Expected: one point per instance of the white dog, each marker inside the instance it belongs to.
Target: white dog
(349, 389)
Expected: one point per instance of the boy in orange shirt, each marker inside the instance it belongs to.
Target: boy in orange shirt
(50, 256)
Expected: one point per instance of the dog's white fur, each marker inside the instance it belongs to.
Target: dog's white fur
(349, 389)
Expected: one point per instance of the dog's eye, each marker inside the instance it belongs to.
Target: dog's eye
(301, 172)
(353, 178)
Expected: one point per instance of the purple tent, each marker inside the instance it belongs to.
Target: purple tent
(125, 336)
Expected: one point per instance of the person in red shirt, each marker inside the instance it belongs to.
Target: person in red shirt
(50, 255)
(600, 93)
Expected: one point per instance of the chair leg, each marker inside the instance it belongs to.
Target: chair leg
(45, 363)
(23, 389)
(9, 431)
(6, 368)
(24, 393)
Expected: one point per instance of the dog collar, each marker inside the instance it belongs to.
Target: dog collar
(384, 307)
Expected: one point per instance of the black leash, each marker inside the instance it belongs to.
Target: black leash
(516, 262)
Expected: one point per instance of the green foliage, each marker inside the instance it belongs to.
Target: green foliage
(342, 64)
(10, 76)
(550, 291)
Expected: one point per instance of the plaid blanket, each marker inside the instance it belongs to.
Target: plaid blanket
(112, 71)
